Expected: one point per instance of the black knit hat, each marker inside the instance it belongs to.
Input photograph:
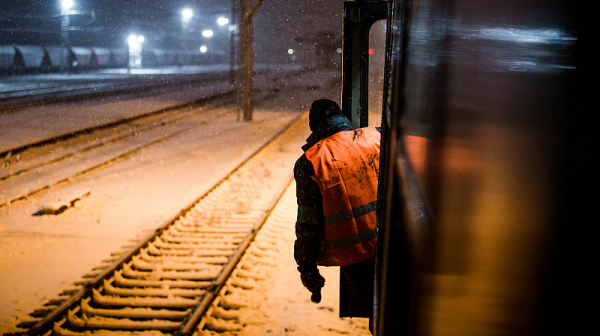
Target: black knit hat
(321, 110)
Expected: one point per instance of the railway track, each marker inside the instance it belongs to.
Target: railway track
(168, 283)
(91, 89)
(33, 168)
(229, 310)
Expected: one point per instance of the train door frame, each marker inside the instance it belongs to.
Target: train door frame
(395, 286)
(359, 16)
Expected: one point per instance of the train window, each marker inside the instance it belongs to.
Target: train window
(376, 70)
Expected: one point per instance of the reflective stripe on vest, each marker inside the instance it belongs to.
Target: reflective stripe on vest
(352, 213)
(346, 168)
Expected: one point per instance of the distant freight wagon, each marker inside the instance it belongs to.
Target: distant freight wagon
(16, 59)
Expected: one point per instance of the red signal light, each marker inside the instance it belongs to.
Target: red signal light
(371, 51)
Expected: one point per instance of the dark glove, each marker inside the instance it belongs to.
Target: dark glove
(313, 281)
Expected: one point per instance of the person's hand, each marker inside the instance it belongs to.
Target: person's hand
(313, 281)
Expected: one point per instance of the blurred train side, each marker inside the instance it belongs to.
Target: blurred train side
(488, 169)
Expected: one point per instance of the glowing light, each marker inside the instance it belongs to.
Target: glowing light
(371, 51)
(66, 4)
(135, 40)
(203, 49)
(338, 50)
(135, 50)
(222, 21)
(132, 39)
(207, 33)
(290, 51)
(186, 14)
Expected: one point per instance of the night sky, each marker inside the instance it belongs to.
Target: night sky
(107, 23)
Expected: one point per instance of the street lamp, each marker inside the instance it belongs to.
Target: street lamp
(65, 8)
(132, 40)
(203, 49)
(207, 33)
(186, 15)
(135, 50)
(222, 21)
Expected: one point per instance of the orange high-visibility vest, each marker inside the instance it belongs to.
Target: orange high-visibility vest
(347, 168)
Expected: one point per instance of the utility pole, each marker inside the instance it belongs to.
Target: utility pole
(65, 9)
(247, 10)
(232, 34)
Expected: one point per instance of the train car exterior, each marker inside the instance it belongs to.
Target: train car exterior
(487, 163)
(58, 56)
(32, 55)
(103, 55)
(29, 59)
(7, 56)
(84, 56)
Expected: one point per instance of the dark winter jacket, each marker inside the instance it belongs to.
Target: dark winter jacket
(310, 223)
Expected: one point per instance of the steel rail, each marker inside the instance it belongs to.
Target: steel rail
(96, 166)
(218, 283)
(73, 134)
(18, 102)
(123, 155)
(103, 142)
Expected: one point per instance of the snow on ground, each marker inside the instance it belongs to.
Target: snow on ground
(42, 122)
(277, 303)
(43, 255)
(60, 80)
(127, 199)
(283, 306)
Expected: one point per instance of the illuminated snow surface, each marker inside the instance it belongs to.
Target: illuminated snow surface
(44, 255)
